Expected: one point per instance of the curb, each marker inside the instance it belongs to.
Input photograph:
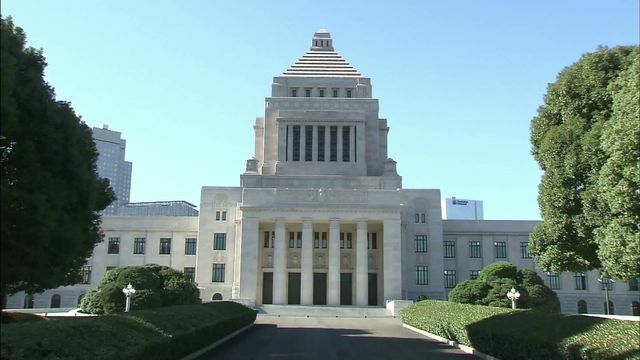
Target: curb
(467, 349)
(209, 347)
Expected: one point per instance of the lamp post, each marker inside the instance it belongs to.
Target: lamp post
(128, 292)
(513, 295)
(605, 281)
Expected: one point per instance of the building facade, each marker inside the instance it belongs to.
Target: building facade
(462, 209)
(321, 217)
(112, 166)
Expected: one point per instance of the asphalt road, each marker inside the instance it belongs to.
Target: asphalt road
(331, 338)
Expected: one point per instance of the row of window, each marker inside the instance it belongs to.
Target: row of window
(421, 218)
(450, 279)
(295, 132)
(320, 240)
(580, 282)
(139, 245)
(322, 92)
(221, 216)
(475, 249)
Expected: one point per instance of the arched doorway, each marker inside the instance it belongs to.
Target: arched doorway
(28, 301)
(216, 297)
(611, 309)
(80, 299)
(55, 301)
(582, 307)
(635, 308)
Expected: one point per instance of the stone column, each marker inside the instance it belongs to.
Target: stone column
(303, 143)
(327, 143)
(314, 158)
(306, 264)
(391, 243)
(279, 265)
(249, 259)
(362, 265)
(333, 281)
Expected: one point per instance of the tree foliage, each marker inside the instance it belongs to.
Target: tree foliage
(491, 288)
(155, 286)
(586, 139)
(51, 194)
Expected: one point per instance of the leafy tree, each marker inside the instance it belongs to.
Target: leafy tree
(491, 288)
(586, 140)
(155, 286)
(50, 193)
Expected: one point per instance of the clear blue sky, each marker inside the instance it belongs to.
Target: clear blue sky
(459, 82)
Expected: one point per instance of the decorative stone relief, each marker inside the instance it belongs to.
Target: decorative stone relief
(373, 262)
(319, 261)
(346, 262)
(294, 261)
(267, 261)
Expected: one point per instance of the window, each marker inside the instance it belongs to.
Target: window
(473, 274)
(633, 284)
(606, 283)
(450, 279)
(190, 273)
(316, 240)
(320, 143)
(335, 92)
(85, 274)
(422, 275)
(417, 218)
(449, 249)
(421, 243)
(582, 307)
(307, 92)
(423, 218)
(348, 93)
(138, 245)
(333, 143)
(294, 92)
(346, 140)
(219, 241)
(324, 240)
(55, 301)
(321, 92)
(299, 240)
(292, 239)
(28, 301)
(341, 240)
(581, 281)
(524, 250)
(218, 273)
(296, 143)
(114, 245)
(216, 297)
(554, 281)
(221, 216)
(501, 249)
(372, 240)
(165, 246)
(349, 240)
(190, 246)
(308, 143)
(474, 249)
(268, 240)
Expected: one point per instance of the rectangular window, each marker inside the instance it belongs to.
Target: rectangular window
(294, 92)
(189, 246)
(341, 240)
(296, 143)
(450, 280)
(85, 274)
(320, 143)
(581, 281)
(217, 215)
(348, 93)
(524, 250)
(349, 240)
(475, 251)
(224, 216)
(417, 218)
(335, 92)
(421, 243)
(449, 249)
(501, 249)
(165, 246)
(219, 241)
(268, 241)
(316, 240)
(633, 284)
(218, 273)
(473, 274)
(324, 240)
(554, 281)
(292, 239)
(138, 245)
(299, 240)
(307, 92)
(422, 275)
(333, 143)
(423, 218)
(372, 239)
(114, 245)
(308, 143)
(190, 273)
(321, 92)
(346, 141)
(606, 283)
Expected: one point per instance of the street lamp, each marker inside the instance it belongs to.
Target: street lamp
(128, 292)
(605, 281)
(513, 295)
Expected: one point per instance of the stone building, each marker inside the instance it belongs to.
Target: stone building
(321, 217)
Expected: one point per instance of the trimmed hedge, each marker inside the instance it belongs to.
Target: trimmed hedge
(161, 333)
(526, 334)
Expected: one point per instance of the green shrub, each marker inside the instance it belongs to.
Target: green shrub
(91, 303)
(526, 334)
(498, 270)
(469, 292)
(159, 333)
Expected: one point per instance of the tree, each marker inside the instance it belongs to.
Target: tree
(50, 193)
(491, 288)
(586, 140)
(155, 286)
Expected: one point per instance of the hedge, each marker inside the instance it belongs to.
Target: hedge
(161, 333)
(526, 334)
(14, 317)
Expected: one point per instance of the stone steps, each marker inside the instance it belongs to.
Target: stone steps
(323, 311)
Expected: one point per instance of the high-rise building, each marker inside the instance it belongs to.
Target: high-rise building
(462, 209)
(112, 166)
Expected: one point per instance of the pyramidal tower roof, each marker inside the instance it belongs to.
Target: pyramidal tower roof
(321, 60)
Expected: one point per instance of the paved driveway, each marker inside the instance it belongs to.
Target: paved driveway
(330, 338)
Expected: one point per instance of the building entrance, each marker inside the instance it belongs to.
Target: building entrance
(345, 289)
(373, 289)
(294, 289)
(267, 288)
(319, 288)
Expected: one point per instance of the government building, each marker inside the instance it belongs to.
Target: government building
(321, 217)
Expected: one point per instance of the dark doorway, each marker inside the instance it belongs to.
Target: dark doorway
(294, 289)
(319, 288)
(373, 289)
(345, 289)
(267, 288)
